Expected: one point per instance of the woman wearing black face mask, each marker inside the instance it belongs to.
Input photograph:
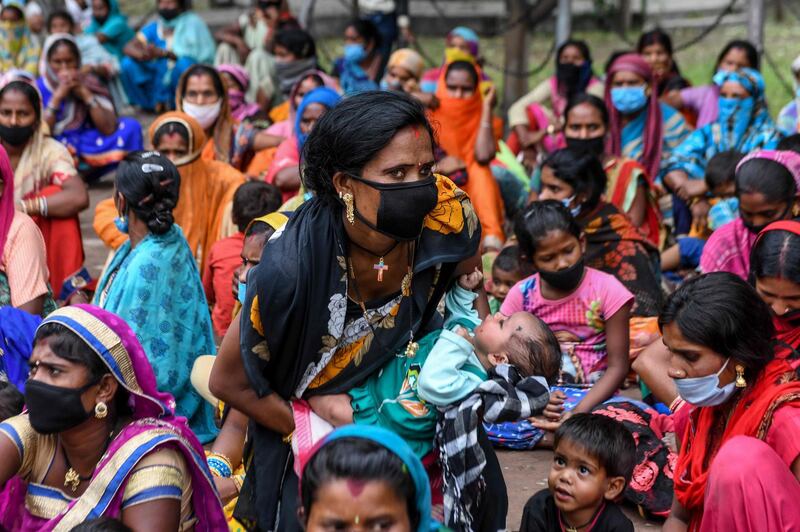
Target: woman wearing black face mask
(47, 185)
(96, 430)
(628, 188)
(353, 280)
(766, 186)
(537, 117)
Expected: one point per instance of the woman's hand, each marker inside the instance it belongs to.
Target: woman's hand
(700, 214)
(227, 489)
(490, 98)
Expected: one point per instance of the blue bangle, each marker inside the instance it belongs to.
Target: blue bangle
(219, 467)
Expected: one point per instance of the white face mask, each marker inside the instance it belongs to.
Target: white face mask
(206, 115)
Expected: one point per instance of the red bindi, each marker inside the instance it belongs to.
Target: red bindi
(356, 486)
(416, 131)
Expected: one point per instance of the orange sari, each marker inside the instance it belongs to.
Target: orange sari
(205, 198)
(458, 121)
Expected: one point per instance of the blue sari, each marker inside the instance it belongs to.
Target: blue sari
(156, 289)
(675, 131)
(149, 83)
(115, 28)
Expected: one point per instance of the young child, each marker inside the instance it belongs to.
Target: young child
(251, 199)
(506, 272)
(593, 460)
(720, 180)
(588, 310)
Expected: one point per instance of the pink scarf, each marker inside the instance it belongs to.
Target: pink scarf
(6, 199)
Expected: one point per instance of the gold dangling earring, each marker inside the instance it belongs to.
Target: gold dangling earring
(100, 410)
(350, 210)
(740, 382)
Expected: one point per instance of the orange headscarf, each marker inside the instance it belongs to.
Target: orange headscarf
(205, 197)
(458, 121)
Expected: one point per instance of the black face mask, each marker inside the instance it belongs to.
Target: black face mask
(16, 135)
(53, 409)
(169, 14)
(568, 75)
(403, 207)
(595, 146)
(564, 280)
(101, 20)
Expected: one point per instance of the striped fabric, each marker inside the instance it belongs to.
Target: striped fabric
(25, 261)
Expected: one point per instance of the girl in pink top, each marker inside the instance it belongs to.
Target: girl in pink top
(588, 310)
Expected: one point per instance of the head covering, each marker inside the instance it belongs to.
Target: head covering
(17, 330)
(468, 35)
(19, 4)
(240, 109)
(222, 135)
(276, 220)
(6, 199)
(322, 95)
(46, 72)
(748, 78)
(787, 158)
(399, 448)
(408, 59)
(653, 129)
(32, 9)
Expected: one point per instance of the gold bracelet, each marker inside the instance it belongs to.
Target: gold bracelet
(288, 437)
(238, 480)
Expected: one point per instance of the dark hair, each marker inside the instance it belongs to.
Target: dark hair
(776, 254)
(361, 459)
(464, 66)
(367, 30)
(171, 128)
(204, 70)
(721, 168)
(507, 260)
(766, 177)
(591, 99)
(537, 352)
(603, 438)
(722, 312)
(101, 524)
(258, 229)
(351, 134)
(11, 400)
(253, 199)
(69, 43)
(13, 8)
(576, 43)
(150, 184)
(749, 50)
(654, 36)
(538, 219)
(297, 41)
(580, 170)
(790, 143)
(30, 92)
(60, 14)
(67, 345)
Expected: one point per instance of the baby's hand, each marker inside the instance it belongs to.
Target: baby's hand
(463, 333)
(471, 281)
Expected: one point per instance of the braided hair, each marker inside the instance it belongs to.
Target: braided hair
(150, 184)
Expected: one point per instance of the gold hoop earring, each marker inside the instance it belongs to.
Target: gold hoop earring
(100, 410)
(350, 210)
(740, 382)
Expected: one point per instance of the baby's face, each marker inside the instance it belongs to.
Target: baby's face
(492, 336)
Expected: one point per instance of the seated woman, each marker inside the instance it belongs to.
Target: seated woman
(110, 27)
(360, 66)
(467, 140)
(743, 124)
(403, 73)
(23, 262)
(79, 111)
(153, 283)
(202, 95)
(767, 185)
(613, 244)
(285, 170)
(237, 84)
(642, 128)
(155, 60)
(206, 193)
(461, 44)
(114, 447)
(788, 121)
(655, 47)
(628, 188)
(295, 55)
(719, 334)
(46, 185)
(536, 118)
(18, 48)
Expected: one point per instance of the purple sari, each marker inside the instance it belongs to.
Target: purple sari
(154, 427)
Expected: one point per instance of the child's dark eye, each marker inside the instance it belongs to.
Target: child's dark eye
(559, 461)
(584, 470)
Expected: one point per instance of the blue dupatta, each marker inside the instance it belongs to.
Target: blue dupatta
(115, 28)
(17, 329)
(156, 288)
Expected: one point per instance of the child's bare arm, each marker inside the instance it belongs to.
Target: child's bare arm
(335, 409)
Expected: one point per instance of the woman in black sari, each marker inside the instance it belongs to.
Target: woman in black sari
(354, 278)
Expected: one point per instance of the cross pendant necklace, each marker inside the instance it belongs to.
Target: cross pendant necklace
(381, 267)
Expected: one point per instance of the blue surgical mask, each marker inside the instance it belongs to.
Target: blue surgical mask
(705, 391)
(242, 292)
(628, 100)
(354, 52)
(122, 224)
(574, 211)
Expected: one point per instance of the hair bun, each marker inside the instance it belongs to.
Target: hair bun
(161, 218)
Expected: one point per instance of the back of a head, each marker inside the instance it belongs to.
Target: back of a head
(790, 143)
(721, 311)
(766, 177)
(253, 199)
(538, 219)
(150, 184)
(535, 351)
(582, 171)
(11, 400)
(721, 168)
(603, 438)
(776, 254)
(507, 260)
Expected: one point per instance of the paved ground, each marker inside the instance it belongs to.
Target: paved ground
(525, 471)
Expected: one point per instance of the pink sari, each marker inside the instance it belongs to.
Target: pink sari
(154, 427)
(728, 250)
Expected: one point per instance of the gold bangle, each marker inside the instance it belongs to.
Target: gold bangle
(288, 437)
(238, 480)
